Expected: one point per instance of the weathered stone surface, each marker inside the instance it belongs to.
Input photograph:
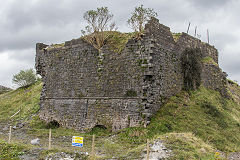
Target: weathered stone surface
(83, 88)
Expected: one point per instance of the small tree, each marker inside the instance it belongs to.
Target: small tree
(98, 22)
(25, 78)
(139, 18)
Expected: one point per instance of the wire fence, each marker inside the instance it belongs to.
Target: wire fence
(93, 145)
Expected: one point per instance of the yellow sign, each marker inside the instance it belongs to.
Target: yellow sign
(77, 141)
(78, 138)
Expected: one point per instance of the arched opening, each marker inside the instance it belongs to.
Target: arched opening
(53, 124)
(99, 129)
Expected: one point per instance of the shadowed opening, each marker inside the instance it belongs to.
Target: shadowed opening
(53, 124)
(99, 129)
(102, 127)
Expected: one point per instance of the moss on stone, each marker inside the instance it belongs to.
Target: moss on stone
(56, 45)
(209, 60)
(131, 93)
(176, 36)
(117, 41)
(191, 68)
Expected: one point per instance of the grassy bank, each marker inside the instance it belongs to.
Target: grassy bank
(23, 101)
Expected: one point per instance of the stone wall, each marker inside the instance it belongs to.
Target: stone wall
(78, 84)
(187, 41)
(213, 78)
(84, 88)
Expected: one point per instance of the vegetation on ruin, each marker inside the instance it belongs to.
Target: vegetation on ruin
(101, 31)
(139, 18)
(191, 68)
(176, 36)
(99, 21)
(60, 45)
(209, 60)
(117, 41)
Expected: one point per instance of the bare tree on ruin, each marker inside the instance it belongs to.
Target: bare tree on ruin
(99, 23)
(139, 18)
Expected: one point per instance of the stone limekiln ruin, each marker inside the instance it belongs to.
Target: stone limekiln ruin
(82, 89)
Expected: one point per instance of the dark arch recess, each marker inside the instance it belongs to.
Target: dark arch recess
(53, 124)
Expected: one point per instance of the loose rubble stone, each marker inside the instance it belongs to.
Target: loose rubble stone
(158, 151)
(35, 141)
(18, 126)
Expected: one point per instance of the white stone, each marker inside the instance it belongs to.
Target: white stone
(35, 141)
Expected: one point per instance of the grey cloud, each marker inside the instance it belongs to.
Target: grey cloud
(46, 20)
(46, 13)
(231, 65)
(209, 4)
(9, 67)
(222, 39)
(24, 23)
(24, 56)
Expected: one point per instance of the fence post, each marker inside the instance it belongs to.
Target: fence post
(10, 134)
(93, 146)
(188, 27)
(50, 138)
(207, 36)
(195, 32)
(148, 149)
(226, 155)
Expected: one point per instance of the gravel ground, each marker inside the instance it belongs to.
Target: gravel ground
(158, 150)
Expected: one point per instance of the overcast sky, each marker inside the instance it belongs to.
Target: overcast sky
(23, 23)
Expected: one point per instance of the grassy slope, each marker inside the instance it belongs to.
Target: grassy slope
(203, 113)
(25, 100)
(192, 124)
(189, 119)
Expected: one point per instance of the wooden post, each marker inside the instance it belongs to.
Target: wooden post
(188, 27)
(21, 107)
(148, 149)
(208, 36)
(50, 138)
(195, 33)
(21, 111)
(93, 146)
(226, 155)
(10, 134)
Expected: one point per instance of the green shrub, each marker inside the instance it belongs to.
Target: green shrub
(131, 93)
(25, 78)
(10, 151)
